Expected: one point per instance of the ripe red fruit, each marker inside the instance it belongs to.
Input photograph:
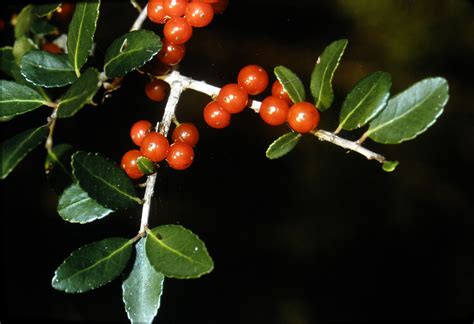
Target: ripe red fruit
(156, 89)
(156, 11)
(51, 48)
(232, 98)
(129, 164)
(154, 146)
(175, 8)
(186, 133)
(177, 30)
(170, 53)
(180, 156)
(139, 130)
(253, 79)
(215, 116)
(274, 110)
(65, 11)
(303, 117)
(199, 14)
(278, 91)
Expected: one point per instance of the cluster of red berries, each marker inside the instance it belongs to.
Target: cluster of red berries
(154, 148)
(275, 109)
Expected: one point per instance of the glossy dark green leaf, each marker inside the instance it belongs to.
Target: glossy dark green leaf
(76, 206)
(365, 100)
(390, 166)
(104, 181)
(13, 150)
(7, 60)
(58, 167)
(142, 289)
(323, 72)
(291, 83)
(80, 93)
(410, 113)
(80, 37)
(43, 10)
(46, 69)
(283, 145)
(92, 265)
(16, 73)
(177, 252)
(43, 27)
(146, 165)
(24, 20)
(18, 99)
(22, 46)
(131, 51)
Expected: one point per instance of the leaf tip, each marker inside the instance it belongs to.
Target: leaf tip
(390, 166)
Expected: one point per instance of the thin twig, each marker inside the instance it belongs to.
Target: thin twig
(140, 19)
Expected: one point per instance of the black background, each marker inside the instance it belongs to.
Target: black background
(317, 236)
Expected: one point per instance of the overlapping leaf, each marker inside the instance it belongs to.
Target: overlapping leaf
(291, 83)
(24, 20)
(22, 46)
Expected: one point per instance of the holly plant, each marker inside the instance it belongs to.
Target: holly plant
(44, 69)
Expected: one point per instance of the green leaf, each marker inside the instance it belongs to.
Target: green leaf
(142, 289)
(146, 165)
(92, 265)
(291, 83)
(16, 73)
(43, 27)
(79, 94)
(177, 252)
(24, 20)
(46, 69)
(365, 100)
(323, 72)
(283, 145)
(45, 9)
(80, 37)
(410, 113)
(13, 150)
(58, 167)
(18, 99)
(131, 51)
(76, 206)
(389, 166)
(7, 60)
(22, 46)
(104, 181)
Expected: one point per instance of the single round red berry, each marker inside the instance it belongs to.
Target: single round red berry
(274, 110)
(156, 89)
(232, 98)
(129, 164)
(303, 117)
(156, 11)
(199, 14)
(253, 79)
(51, 48)
(65, 11)
(180, 156)
(279, 91)
(175, 8)
(154, 146)
(139, 130)
(170, 53)
(186, 133)
(215, 116)
(177, 30)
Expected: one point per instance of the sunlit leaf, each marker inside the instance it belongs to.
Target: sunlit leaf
(24, 20)
(283, 145)
(291, 83)
(390, 166)
(22, 46)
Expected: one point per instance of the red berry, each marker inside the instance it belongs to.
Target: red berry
(156, 11)
(186, 133)
(274, 110)
(215, 116)
(232, 98)
(129, 164)
(170, 53)
(253, 79)
(177, 30)
(303, 117)
(139, 130)
(199, 14)
(180, 156)
(65, 11)
(175, 8)
(278, 91)
(52, 48)
(154, 146)
(156, 89)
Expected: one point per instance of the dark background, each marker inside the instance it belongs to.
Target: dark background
(315, 237)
